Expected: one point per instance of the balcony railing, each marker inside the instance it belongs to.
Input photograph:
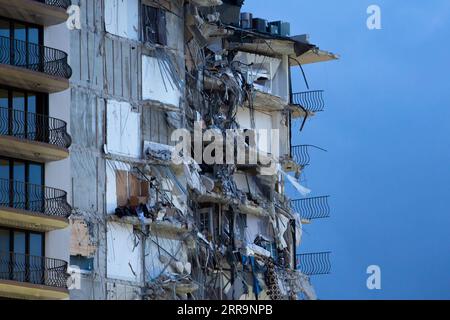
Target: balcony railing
(34, 57)
(32, 269)
(300, 154)
(34, 127)
(35, 198)
(64, 4)
(312, 208)
(311, 101)
(312, 264)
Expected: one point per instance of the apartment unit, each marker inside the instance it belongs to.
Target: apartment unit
(35, 179)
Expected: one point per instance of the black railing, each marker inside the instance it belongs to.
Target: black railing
(300, 154)
(311, 101)
(34, 57)
(312, 208)
(34, 127)
(32, 269)
(312, 264)
(57, 3)
(34, 198)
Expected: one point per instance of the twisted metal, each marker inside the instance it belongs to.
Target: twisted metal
(311, 101)
(34, 198)
(33, 269)
(301, 154)
(312, 208)
(312, 264)
(34, 127)
(64, 4)
(34, 57)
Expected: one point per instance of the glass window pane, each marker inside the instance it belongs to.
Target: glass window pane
(36, 248)
(20, 46)
(4, 241)
(19, 265)
(4, 256)
(4, 115)
(31, 117)
(36, 263)
(18, 114)
(35, 189)
(4, 40)
(19, 185)
(4, 183)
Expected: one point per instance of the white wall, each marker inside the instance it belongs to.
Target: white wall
(262, 121)
(121, 253)
(123, 129)
(122, 18)
(58, 173)
(157, 84)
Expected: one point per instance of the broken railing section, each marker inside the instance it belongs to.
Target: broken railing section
(300, 154)
(313, 264)
(310, 101)
(312, 208)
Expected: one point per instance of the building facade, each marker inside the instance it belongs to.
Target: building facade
(35, 168)
(180, 116)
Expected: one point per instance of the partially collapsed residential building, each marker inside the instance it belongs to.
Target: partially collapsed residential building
(151, 220)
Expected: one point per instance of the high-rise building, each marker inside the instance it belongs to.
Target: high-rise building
(181, 115)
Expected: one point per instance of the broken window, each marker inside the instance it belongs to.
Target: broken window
(154, 25)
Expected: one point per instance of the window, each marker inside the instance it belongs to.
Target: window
(20, 114)
(21, 253)
(23, 38)
(154, 25)
(21, 184)
(83, 263)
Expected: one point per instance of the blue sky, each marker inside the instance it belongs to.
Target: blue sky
(387, 130)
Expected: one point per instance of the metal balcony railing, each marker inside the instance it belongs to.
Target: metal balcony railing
(312, 208)
(32, 269)
(34, 57)
(300, 154)
(34, 198)
(311, 101)
(34, 127)
(64, 4)
(312, 264)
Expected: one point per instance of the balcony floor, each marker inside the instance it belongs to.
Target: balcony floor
(33, 12)
(22, 219)
(31, 150)
(31, 80)
(29, 291)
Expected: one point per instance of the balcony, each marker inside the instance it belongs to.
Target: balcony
(33, 136)
(300, 157)
(41, 12)
(33, 67)
(312, 208)
(313, 264)
(31, 277)
(33, 207)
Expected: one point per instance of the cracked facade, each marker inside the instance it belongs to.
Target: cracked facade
(145, 227)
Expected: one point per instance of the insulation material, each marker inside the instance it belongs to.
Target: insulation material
(298, 230)
(123, 129)
(301, 189)
(122, 18)
(80, 239)
(158, 83)
(124, 253)
(281, 226)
